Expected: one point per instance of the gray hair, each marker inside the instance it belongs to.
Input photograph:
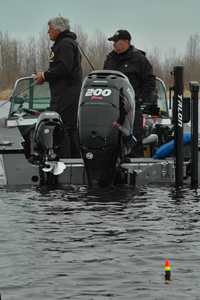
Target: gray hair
(59, 23)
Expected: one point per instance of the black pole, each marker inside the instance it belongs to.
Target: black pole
(194, 88)
(178, 119)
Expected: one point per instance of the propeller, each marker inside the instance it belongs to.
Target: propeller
(59, 168)
(55, 167)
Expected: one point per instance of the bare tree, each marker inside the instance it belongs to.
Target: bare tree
(171, 59)
(19, 58)
(82, 40)
(30, 57)
(155, 59)
(11, 55)
(82, 37)
(192, 59)
(43, 50)
(99, 47)
(5, 43)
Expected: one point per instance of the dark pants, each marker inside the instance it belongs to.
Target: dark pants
(137, 150)
(66, 104)
(70, 148)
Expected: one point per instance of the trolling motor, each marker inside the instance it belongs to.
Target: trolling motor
(105, 124)
(48, 138)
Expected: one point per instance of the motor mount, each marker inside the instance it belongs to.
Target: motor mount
(105, 124)
(48, 136)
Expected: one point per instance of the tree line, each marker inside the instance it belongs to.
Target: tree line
(19, 58)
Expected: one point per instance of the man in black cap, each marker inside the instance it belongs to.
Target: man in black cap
(133, 63)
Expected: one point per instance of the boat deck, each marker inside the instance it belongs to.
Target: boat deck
(11, 140)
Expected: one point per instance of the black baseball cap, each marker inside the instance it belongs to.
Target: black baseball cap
(120, 35)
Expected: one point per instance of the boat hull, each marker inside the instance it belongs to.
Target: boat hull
(17, 170)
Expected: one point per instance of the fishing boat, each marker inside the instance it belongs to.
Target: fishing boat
(31, 136)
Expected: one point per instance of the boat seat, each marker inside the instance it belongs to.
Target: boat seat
(152, 138)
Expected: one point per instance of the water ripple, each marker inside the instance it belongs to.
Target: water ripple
(75, 243)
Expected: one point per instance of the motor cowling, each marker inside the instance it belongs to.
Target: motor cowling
(105, 123)
(49, 135)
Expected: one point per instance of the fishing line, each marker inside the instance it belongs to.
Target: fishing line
(78, 45)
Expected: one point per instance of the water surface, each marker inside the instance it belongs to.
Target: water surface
(76, 243)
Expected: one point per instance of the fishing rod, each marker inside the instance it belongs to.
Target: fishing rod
(78, 44)
(13, 97)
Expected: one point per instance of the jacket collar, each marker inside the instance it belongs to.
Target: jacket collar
(125, 54)
(66, 33)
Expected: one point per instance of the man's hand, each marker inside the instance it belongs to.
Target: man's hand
(39, 78)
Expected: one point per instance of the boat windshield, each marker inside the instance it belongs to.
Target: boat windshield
(36, 97)
(158, 100)
(162, 97)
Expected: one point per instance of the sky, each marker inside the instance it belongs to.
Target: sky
(164, 24)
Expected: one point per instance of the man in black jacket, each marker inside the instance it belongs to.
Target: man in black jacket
(133, 63)
(65, 79)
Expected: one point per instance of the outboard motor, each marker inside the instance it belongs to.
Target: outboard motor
(49, 135)
(105, 124)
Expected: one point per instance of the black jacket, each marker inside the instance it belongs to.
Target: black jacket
(65, 63)
(136, 67)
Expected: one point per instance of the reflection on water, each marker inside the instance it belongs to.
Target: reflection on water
(75, 243)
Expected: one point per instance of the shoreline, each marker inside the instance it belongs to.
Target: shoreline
(6, 94)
